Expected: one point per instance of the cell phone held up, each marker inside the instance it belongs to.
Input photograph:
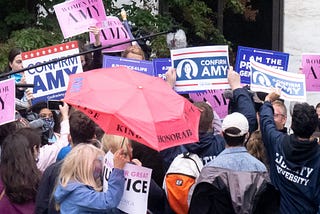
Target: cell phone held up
(54, 104)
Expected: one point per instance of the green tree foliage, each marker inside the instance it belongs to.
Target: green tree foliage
(32, 24)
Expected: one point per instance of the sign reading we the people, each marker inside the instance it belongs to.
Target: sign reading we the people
(136, 187)
(201, 68)
(278, 60)
(142, 66)
(264, 78)
(311, 68)
(50, 80)
(7, 100)
(112, 32)
(76, 16)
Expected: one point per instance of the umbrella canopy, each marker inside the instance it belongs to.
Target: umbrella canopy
(135, 105)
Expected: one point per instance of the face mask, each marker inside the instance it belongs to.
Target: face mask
(48, 124)
(17, 77)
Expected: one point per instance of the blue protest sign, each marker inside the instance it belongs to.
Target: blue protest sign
(201, 68)
(278, 60)
(264, 78)
(161, 66)
(141, 66)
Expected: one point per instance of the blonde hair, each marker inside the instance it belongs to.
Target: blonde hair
(135, 49)
(113, 143)
(79, 166)
(256, 147)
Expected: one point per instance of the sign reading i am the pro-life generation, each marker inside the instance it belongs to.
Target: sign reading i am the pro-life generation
(161, 66)
(278, 60)
(7, 100)
(51, 80)
(142, 66)
(311, 68)
(76, 16)
(264, 78)
(201, 68)
(136, 188)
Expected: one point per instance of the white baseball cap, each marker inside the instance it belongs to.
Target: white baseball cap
(236, 120)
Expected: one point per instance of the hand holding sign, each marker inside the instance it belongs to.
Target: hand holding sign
(120, 159)
(233, 79)
(273, 95)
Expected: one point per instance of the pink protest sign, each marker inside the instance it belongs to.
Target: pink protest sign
(7, 101)
(75, 17)
(113, 32)
(215, 97)
(311, 69)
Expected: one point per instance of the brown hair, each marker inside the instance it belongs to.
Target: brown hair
(135, 49)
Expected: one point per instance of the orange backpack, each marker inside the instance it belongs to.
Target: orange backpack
(180, 180)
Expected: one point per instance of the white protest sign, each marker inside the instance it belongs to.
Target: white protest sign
(7, 100)
(264, 78)
(201, 68)
(136, 188)
(51, 80)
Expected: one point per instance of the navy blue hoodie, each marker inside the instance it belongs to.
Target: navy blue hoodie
(294, 166)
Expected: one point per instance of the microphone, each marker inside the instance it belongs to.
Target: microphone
(20, 85)
(38, 123)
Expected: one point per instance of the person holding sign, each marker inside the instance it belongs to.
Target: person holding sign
(23, 96)
(79, 183)
(92, 61)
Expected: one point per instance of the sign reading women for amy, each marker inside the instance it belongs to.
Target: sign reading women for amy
(274, 59)
(50, 81)
(201, 68)
(311, 68)
(215, 97)
(141, 66)
(263, 78)
(113, 32)
(76, 16)
(7, 100)
(136, 187)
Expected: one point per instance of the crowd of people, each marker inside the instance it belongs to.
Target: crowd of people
(51, 160)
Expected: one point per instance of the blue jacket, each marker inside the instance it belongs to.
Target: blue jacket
(208, 147)
(294, 166)
(79, 198)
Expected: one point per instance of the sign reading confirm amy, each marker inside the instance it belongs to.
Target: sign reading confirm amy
(50, 81)
(141, 66)
(263, 78)
(274, 59)
(201, 68)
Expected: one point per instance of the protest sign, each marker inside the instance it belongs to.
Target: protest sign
(141, 66)
(274, 59)
(215, 97)
(50, 81)
(311, 68)
(7, 100)
(76, 16)
(263, 78)
(161, 66)
(136, 188)
(201, 68)
(111, 33)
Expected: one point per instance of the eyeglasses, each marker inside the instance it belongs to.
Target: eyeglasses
(277, 115)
